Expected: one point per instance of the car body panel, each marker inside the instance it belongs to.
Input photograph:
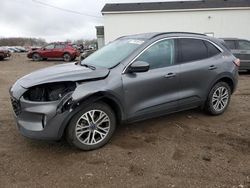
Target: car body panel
(242, 54)
(4, 53)
(151, 91)
(55, 51)
(64, 72)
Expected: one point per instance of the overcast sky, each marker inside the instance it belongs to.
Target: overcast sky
(38, 18)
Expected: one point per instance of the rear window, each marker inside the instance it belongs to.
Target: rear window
(191, 50)
(230, 44)
(212, 50)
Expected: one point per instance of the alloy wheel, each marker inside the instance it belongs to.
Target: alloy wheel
(92, 127)
(220, 98)
(66, 57)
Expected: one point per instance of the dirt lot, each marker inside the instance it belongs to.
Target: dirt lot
(188, 149)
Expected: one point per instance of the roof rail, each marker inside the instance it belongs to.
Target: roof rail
(163, 33)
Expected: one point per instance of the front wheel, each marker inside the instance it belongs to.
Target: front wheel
(36, 57)
(92, 127)
(66, 57)
(218, 99)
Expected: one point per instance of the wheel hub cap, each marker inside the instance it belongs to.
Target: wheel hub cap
(92, 127)
(220, 98)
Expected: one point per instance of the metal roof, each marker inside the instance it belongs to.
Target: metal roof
(177, 5)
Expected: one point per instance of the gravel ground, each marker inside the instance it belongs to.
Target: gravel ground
(187, 149)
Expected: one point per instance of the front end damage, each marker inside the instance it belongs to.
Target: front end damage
(45, 99)
(41, 110)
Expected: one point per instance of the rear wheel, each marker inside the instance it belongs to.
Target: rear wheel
(92, 127)
(218, 99)
(36, 57)
(67, 57)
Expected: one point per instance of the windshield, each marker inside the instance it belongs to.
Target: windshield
(113, 53)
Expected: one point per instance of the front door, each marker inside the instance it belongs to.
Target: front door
(48, 51)
(156, 91)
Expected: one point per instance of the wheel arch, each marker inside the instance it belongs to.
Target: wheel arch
(227, 78)
(67, 53)
(103, 97)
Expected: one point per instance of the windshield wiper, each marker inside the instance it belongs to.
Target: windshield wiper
(88, 66)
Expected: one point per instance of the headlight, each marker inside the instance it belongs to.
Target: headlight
(49, 92)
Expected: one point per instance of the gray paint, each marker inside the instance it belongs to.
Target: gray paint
(63, 72)
(138, 95)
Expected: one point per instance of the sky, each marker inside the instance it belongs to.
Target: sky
(49, 20)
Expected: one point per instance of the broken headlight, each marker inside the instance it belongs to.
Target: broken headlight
(49, 92)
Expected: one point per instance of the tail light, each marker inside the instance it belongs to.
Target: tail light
(237, 62)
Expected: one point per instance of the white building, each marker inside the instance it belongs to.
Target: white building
(219, 18)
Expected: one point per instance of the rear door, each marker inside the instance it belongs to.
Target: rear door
(58, 51)
(200, 62)
(243, 49)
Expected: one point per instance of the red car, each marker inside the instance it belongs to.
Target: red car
(54, 50)
(4, 53)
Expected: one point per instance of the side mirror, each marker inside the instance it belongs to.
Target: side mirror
(82, 57)
(138, 66)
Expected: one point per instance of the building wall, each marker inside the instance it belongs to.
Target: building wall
(223, 23)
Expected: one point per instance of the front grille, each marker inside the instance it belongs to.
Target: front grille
(16, 106)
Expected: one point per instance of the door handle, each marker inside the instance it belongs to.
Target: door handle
(170, 75)
(212, 67)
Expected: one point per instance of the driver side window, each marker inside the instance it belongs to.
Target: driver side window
(161, 54)
(50, 46)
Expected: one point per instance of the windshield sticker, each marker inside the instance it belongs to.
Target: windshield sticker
(139, 42)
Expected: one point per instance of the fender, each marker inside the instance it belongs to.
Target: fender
(86, 94)
(222, 76)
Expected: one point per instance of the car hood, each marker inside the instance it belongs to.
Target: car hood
(63, 72)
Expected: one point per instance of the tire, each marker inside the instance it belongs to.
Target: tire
(218, 99)
(66, 57)
(45, 59)
(36, 57)
(81, 128)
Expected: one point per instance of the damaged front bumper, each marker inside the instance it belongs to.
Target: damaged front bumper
(38, 120)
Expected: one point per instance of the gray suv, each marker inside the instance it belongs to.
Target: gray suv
(241, 49)
(133, 78)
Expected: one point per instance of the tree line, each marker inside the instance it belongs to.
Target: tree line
(19, 41)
